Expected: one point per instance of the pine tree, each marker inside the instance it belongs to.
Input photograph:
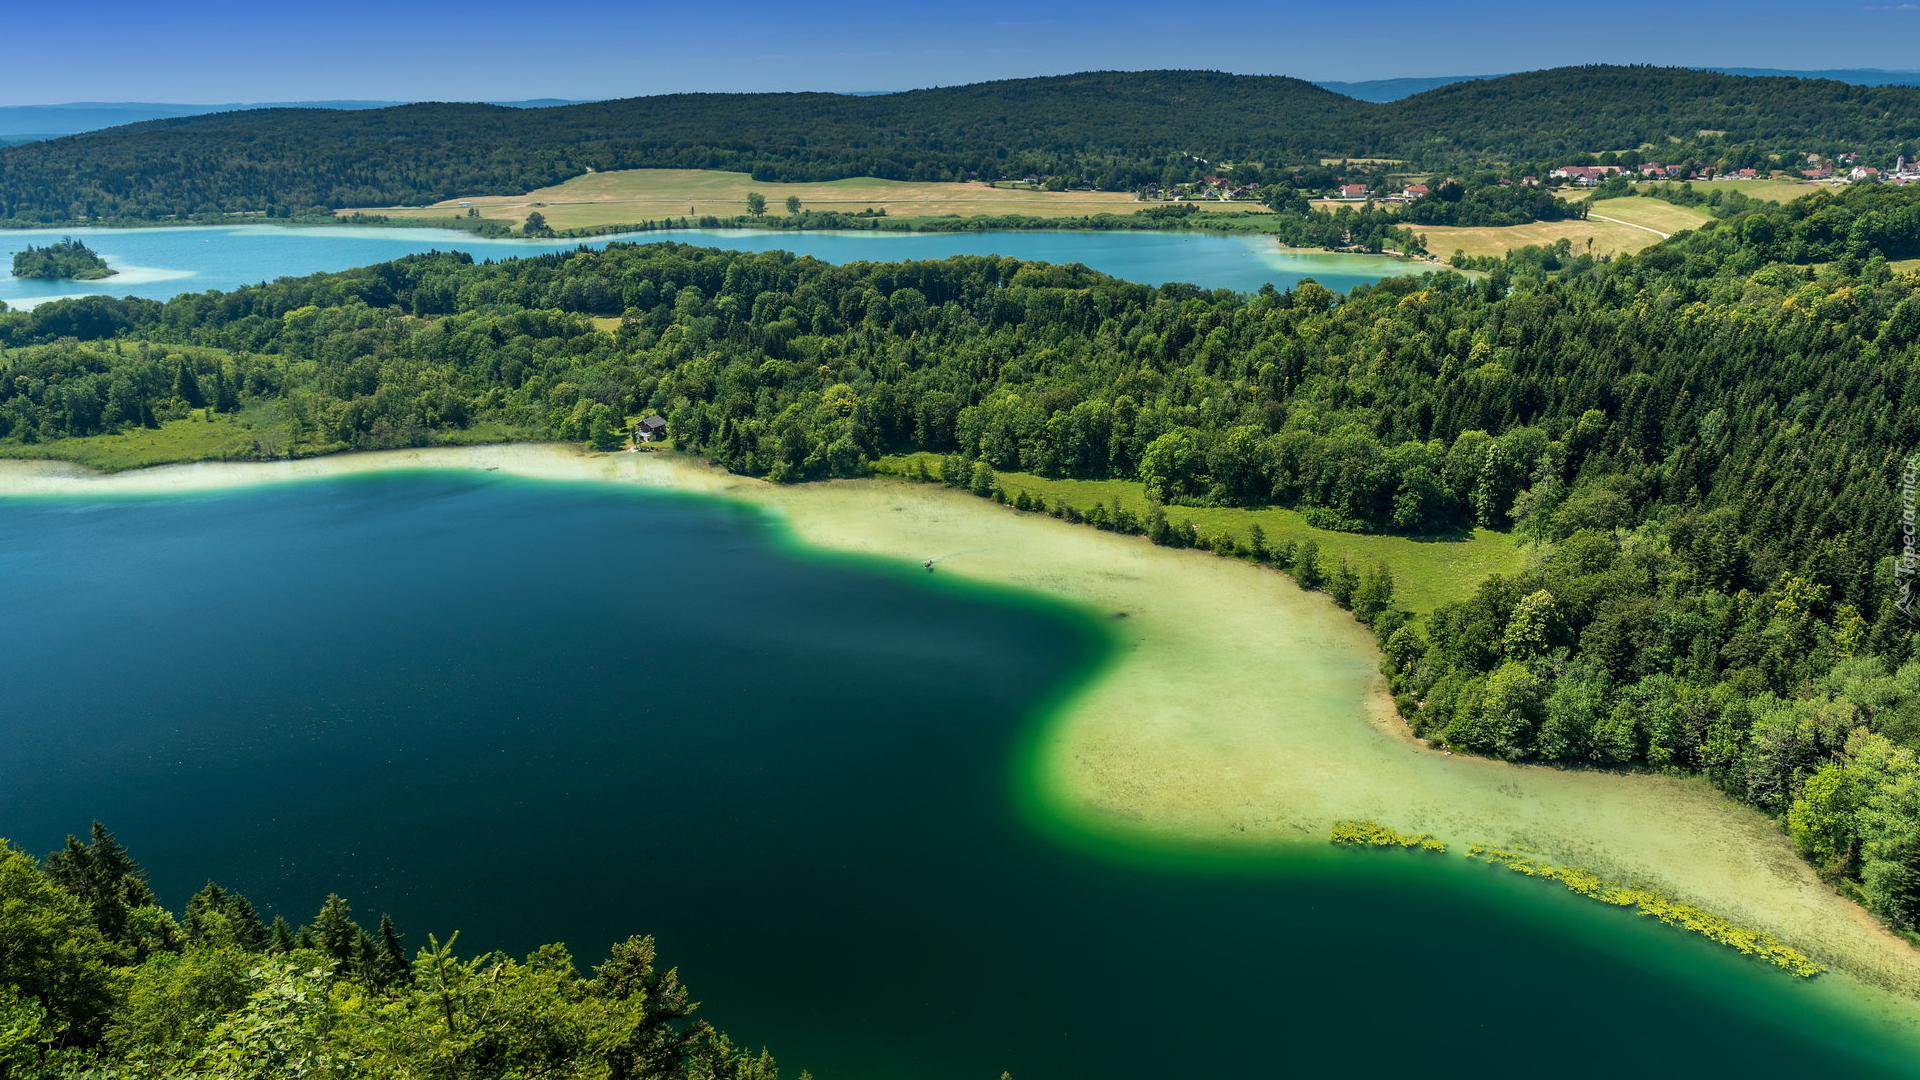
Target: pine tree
(226, 399)
(244, 922)
(187, 388)
(1343, 583)
(282, 940)
(334, 932)
(393, 956)
(124, 876)
(1306, 565)
(209, 901)
(102, 874)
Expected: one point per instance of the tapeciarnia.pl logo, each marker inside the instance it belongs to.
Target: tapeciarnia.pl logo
(1908, 565)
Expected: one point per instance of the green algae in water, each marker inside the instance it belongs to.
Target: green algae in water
(1652, 902)
(1363, 833)
(533, 712)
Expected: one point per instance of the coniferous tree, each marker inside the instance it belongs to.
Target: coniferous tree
(186, 387)
(392, 967)
(1343, 582)
(1306, 565)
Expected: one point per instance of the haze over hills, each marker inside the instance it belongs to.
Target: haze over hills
(1395, 89)
(1111, 130)
(24, 123)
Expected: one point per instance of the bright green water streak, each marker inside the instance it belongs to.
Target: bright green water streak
(538, 711)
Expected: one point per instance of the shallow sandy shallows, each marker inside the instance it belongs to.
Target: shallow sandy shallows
(1239, 710)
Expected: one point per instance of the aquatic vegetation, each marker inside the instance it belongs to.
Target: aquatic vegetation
(1650, 902)
(1361, 832)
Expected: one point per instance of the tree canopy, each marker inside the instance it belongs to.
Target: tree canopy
(97, 980)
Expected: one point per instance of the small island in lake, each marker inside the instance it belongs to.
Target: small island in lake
(67, 259)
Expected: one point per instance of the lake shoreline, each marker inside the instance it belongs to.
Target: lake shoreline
(164, 263)
(1239, 717)
(627, 231)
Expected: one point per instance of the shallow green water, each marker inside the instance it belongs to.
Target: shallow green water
(534, 712)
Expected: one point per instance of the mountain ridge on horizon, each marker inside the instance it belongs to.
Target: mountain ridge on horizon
(29, 123)
(1111, 131)
(32, 123)
(1384, 90)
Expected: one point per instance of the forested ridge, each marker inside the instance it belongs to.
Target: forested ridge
(1700, 445)
(98, 981)
(1111, 130)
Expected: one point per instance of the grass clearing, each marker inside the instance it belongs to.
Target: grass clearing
(1427, 573)
(225, 437)
(1651, 213)
(255, 434)
(633, 195)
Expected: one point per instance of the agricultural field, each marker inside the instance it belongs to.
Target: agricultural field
(632, 195)
(1629, 225)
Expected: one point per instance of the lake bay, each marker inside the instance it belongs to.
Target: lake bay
(532, 711)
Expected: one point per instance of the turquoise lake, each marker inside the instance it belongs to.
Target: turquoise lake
(160, 263)
(534, 711)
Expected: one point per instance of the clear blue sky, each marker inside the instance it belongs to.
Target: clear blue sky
(221, 51)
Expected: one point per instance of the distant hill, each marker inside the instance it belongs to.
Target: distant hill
(22, 123)
(1395, 89)
(1858, 76)
(1112, 130)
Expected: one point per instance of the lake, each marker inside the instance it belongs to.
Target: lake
(161, 263)
(533, 711)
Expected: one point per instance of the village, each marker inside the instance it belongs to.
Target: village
(1843, 168)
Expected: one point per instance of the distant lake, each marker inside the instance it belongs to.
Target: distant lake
(161, 263)
(533, 711)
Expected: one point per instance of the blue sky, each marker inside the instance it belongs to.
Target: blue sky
(221, 51)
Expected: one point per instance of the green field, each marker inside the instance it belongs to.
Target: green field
(1650, 214)
(634, 195)
(1427, 573)
(252, 435)
(225, 437)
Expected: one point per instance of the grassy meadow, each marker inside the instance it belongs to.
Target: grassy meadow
(1427, 573)
(225, 436)
(251, 435)
(1650, 214)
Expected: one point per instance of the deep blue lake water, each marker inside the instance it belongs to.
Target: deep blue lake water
(532, 712)
(160, 263)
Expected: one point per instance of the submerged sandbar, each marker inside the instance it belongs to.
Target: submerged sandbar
(1240, 715)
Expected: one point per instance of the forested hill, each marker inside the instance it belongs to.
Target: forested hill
(1117, 126)
(1114, 130)
(1570, 110)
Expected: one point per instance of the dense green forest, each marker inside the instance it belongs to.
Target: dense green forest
(1701, 443)
(1111, 130)
(99, 982)
(67, 259)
